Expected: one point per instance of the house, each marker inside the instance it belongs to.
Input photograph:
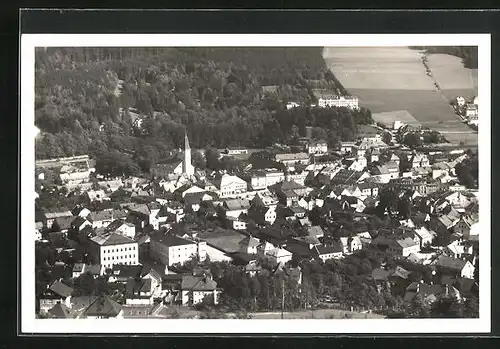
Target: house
(315, 231)
(249, 245)
(170, 249)
(458, 249)
(368, 189)
(100, 219)
(235, 223)
(111, 248)
(229, 186)
(419, 160)
(463, 226)
(96, 195)
(262, 215)
(121, 227)
(279, 256)
(430, 293)
(139, 292)
(195, 289)
(193, 201)
(78, 269)
(347, 147)
(425, 236)
(235, 207)
(319, 147)
(326, 252)
(57, 292)
(103, 308)
(359, 164)
(344, 176)
(79, 223)
(454, 267)
(288, 191)
(236, 151)
(403, 246)
(50, 217)
(291, 159)
(121, 273)
(351, 244)
(373, 154)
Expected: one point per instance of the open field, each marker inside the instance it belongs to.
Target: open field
(317, 314)
(388, 118)
(452, 77)
(388, 79)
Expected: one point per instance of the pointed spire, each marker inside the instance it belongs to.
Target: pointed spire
(186, 141)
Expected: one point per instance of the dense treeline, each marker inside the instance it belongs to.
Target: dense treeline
(89, 100)
(467, 53)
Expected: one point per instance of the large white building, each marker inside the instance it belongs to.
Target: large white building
(230, 186)
(112, 248)
(171, 249)
(328, 99)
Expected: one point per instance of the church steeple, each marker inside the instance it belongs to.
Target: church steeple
(187, 168)
(186, 142)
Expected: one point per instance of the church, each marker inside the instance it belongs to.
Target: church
(178, 165)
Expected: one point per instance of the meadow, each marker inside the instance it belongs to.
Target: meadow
(388, 79)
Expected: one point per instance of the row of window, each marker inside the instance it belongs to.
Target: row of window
(119, 257)
(120, 249)
(111, 265)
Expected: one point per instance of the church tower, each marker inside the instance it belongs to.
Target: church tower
(187, 168)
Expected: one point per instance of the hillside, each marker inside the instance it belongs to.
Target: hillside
(89, 100)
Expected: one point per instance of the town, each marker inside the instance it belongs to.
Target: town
(247, 183)
(138, 246)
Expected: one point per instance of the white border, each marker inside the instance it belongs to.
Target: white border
(465, 326)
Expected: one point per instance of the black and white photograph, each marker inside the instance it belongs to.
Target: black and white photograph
(260, 183)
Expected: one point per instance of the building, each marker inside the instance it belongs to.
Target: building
(319, 147)
(54, 294)
(111, 248)
(236, 151)
(103, 308)
(454, 267)
(403, 246)
(329, 252)
(351, 244)
(279, 256)
(262, 214)
(195, 289)
(171, 249)
(121, 227)
(292, 159)
(230, 186)
(100, 219)
(139, 292)
(50, 217)
(328, 99)
(187, 167)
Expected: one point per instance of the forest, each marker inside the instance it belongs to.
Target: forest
(140, 101)
(467, 53)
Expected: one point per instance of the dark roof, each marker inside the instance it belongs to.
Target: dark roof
(171, 240)
(450, 263)
(335, 248)
(193, 283)
(78, 221)
(65, 222)
(60, 311)
(100, 216)
(103, 306)
(136, 287)
(127, 271)
(61, 289)
(346, 176)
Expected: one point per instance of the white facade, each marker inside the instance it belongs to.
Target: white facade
(338, 101)
(317, 148)
(170, 255)
(231, 186)
(279, 256)
(119, 254)
(216, 255)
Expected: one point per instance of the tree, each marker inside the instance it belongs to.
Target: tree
(404, 208)
(212, 159)
(412, 140)
(116, 164)
(387, 137)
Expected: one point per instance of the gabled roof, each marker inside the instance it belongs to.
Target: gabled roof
(100, 216)
(103, 306)
(110, 239)
(171, 240)
(250, 242)
(64, 222)
(135, 287)
(450, 263)
(335, 248)
(197, 283)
